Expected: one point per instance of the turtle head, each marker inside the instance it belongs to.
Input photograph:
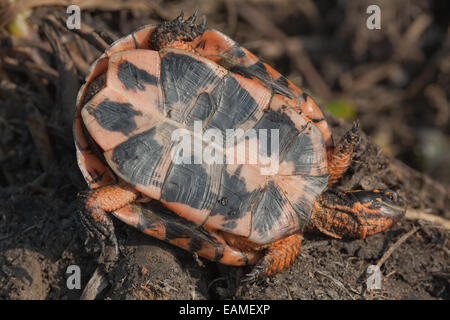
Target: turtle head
(385, 203)
(357, 213)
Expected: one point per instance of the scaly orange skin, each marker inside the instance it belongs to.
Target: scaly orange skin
(279, 256)
(110, 198)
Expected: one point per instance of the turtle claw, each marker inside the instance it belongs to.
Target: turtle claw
(258, 273)
(115, 243)
(192, 18)
(102, 234)
(279, 255)
(201, 27)
(352, 136)
(249, 278)
(204, 21)
(181, 16)
(108, 257)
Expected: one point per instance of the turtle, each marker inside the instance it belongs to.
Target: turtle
(180, 74)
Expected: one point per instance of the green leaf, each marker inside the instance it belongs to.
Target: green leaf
(19, 26)
(342, 109)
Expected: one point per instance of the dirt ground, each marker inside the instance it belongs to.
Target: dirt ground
(395, 80)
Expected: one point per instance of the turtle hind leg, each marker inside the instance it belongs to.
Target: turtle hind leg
(279, 255)
(340, 158)
(95, 219)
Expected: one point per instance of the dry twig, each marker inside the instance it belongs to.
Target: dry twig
(397, 244)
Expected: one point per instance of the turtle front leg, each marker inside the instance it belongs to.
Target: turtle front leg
(341, 156)
(95, 219)
(355, 214)
(278, 256)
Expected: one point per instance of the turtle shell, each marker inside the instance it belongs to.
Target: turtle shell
(134, 100)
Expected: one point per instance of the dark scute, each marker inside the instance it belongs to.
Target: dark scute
(303, 98)
(230, 225)
(281, 117)
(242, 71)
(182, 78)
(116, 116)
(282, 81)
(239, 200)
(303, 207)
(176, 227)
(195, 244)
(277, 120)
(145, 224)
(190, 184)
(281, 86)
(269, 209)
(134, 78)
(94, 87)
(259, 69)
(313, 186)
(202, 109)
(235, 105)
(301, 152)
(237, 51)
(138, 157)
(157, 210)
